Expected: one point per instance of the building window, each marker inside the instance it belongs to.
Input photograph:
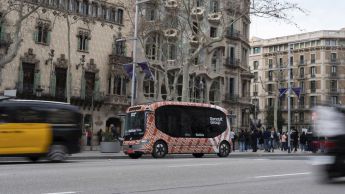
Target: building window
(199, 3)
(291, 73)
(334, 70)
(195, 28)
(120, 47)
(270, 102)
(334, 85)
(104, 12)
(119, 86)
(75, 6)
(119, 16)
(301, 117)
(83, 40)
(313, 101)
(42, 33)
(270, 63)
(152, 46)
(301, 72)
(334, 99)
(313, 86)
(270, 89)
(256, 77)
(301, 102)
(85, 8)
(312, 58)
(256, 50)
(313, 71)
(214, 7)
(213, 32)
(112, 16)
(301, 59)
(171, 52)
(270, 75)
(215, 61)
(333, 57)
(151, 14)
(94, 10)
(281, 62)
(256, 65)
(149, 88)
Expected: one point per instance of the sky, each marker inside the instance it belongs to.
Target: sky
(321, 15)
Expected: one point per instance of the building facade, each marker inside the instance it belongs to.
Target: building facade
(99, 85)
(180, 33)
(87, 39)
(318, 68)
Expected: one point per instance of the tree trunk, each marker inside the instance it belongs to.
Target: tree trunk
(185, 83)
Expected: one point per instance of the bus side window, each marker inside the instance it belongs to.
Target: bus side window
(28, 115)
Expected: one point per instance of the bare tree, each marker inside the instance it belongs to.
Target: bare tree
(187, 19)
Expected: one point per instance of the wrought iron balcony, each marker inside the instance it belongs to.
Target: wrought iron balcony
(231, 98)
(233, 34)
(232, 62)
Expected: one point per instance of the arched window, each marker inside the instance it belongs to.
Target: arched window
(215, 92)
(120, 85)
(197, 89)
(149, 87)
(216, 60)
(152, 46)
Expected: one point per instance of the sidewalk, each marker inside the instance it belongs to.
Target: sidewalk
(98, 155)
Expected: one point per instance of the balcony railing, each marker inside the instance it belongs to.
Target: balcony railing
(232, 62)
(233, 34)
(116, 99)
(334, 90)
(231, 98)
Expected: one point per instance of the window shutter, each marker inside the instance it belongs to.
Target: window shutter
(48, 37)
(20, 78)
(83, 86)
(96, 89)
(53, 84)
(37, 80)
(35, 35)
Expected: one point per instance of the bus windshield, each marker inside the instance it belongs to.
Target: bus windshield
(135, 125)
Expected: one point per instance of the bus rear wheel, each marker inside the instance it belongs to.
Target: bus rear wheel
(160, 149)
(135, 156)
(224, 150)
(198, 155)
(57, 153)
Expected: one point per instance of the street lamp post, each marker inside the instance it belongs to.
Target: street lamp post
(289, 100)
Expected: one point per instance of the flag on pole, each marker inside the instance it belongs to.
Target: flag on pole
(282, 91)
(297, 91)
(145, 67)
(129, 69)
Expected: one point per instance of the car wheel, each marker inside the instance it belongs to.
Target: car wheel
(198, 155)
(224, 149)
(57, 153)
(160, 149)
(135, 156)
(33, 158)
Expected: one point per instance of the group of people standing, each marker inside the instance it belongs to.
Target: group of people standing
(268, 140)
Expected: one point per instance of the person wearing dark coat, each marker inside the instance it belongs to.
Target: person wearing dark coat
(303, 141)
(267, 135)
(254, 138)
(295, 140)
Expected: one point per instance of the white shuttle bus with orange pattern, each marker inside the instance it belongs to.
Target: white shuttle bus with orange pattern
(168, 127)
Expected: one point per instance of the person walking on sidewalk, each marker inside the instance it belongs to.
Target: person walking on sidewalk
(261, 140)
(295, 140)
(303, 141)
(273, 138)
(284, 142)
(242, 140)
(266, 135)
(88, 137)
(254, 138)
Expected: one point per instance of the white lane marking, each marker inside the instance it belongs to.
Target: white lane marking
(194, 165)
(67, 192)
(281, 175)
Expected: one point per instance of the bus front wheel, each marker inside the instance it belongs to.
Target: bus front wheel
(224, 149)
(160, 149)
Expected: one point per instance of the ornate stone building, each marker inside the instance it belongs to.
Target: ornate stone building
(99, 85)
(172, 30)
(318, 68)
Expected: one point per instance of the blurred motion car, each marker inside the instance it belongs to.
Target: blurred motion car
(330, 124)
(36, 129)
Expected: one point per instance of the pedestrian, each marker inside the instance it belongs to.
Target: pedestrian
(303, 141)
(272, 140)
(254, 137)
(247, 141)
(99, 136)
(284, 142)
(266, 135)
(232, 137)
(88, 137)
(242, 140)
(261, 140)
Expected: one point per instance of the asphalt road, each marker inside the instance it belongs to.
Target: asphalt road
(174, 175)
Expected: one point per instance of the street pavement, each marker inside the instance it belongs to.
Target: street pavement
(269, 174)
